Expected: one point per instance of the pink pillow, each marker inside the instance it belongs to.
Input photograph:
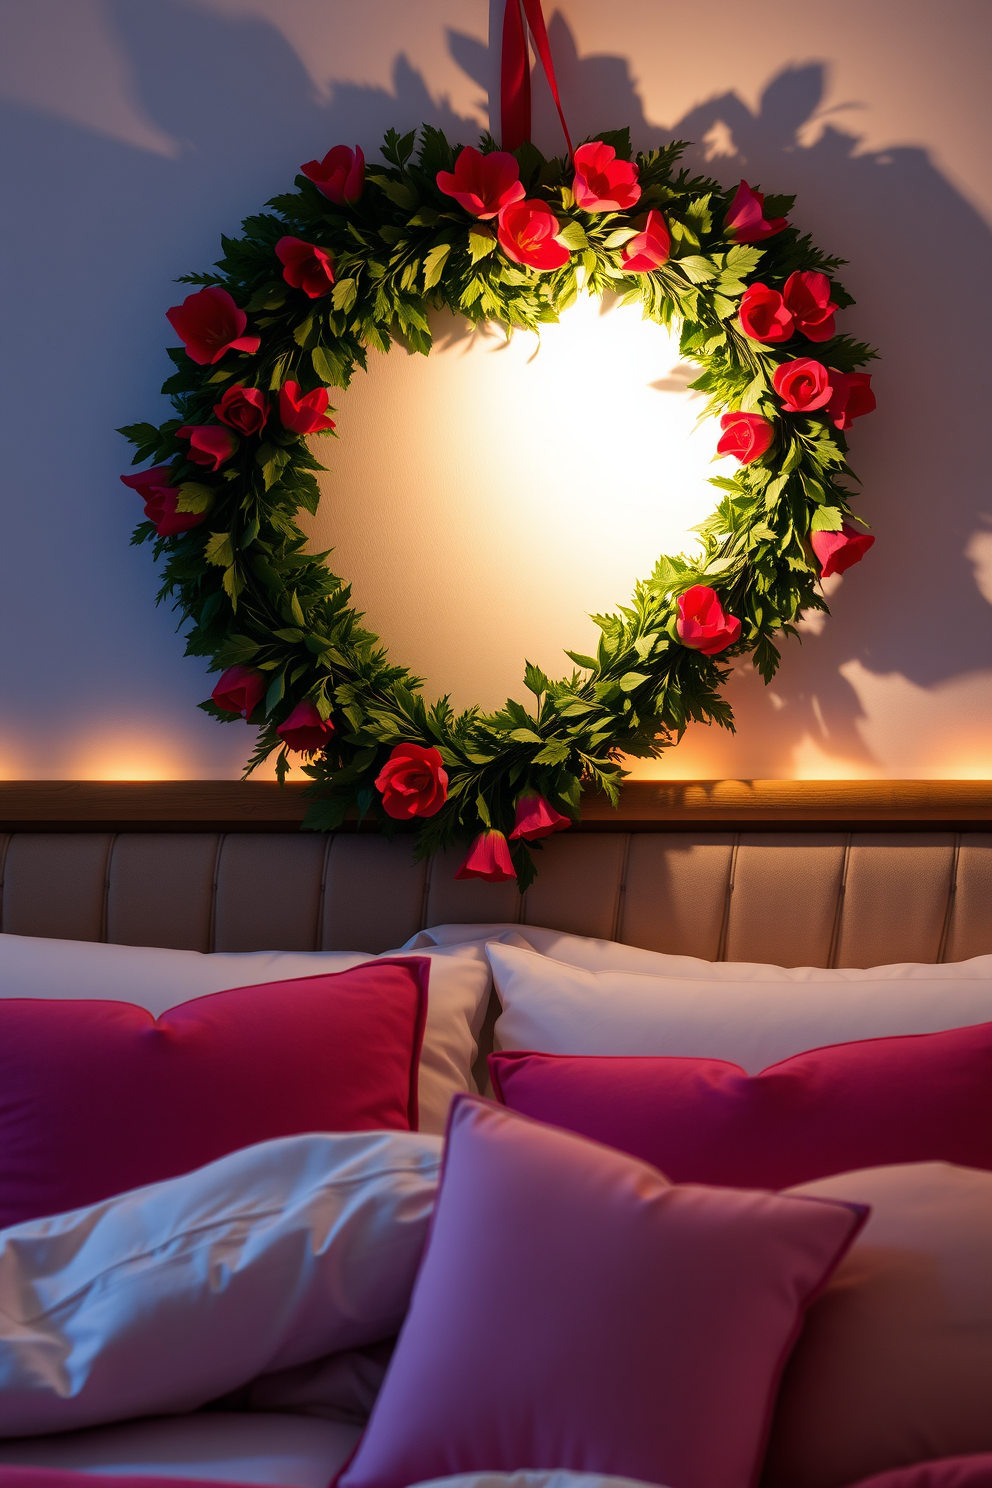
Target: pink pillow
(948, 1472)
(914, 1098)
(100, 1097)
(575, 1310)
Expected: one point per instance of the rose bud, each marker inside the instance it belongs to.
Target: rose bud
(746, 436)
(764, 315)
(745, 219)
(803, 385)
(208, 324)
(535, 817)
(807, 296)
(306, 267)
(648, 249)
(160, 498)
(340, 175)
(851, 398)
(243, 408)
(483, 184)
(304, 413)
(527, 234)
(304, 729)
(208, 444)
(602, 182)
(488, 858)
(702, 625)
(413, 782)
(240, 690)
(839, 550)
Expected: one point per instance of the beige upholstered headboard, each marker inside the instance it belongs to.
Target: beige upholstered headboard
(813, 873)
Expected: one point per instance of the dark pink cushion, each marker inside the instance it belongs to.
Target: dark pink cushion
(948, 1472)
(917, 1098)
(575, 1310)
(99, 1097)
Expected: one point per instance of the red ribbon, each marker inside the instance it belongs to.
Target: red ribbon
(514, 97)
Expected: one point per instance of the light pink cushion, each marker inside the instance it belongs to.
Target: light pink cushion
(895, 1361)
(948, 1472)
(575, 1310)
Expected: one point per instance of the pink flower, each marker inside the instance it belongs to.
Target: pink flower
(803, 385)
(306, 267)
(209, 323)
(747, 436)
(702, 625)
(851, 397)
(160, 498)
(807, 297)
(528, 234)
(243, 408)
(340, 175)
(209, 444)
(483, 184)
(745, 219)
(413, 782)
(304, 413)
(304, 729)
(488, 858)
(535, 817)
(602, 182)
(764, 315)
(650, 248)
(839, 550)
(240, 690)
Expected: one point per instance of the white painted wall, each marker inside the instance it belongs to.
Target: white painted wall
(464, 490)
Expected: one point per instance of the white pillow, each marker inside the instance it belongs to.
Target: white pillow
(752, 1021)
(159, 979)
(163, 1298)
(894, 1363)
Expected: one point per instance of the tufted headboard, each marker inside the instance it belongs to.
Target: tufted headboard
(810, 873)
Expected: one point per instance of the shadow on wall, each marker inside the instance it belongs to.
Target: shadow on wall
(107, 226)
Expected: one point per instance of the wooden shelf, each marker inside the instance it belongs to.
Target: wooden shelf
(646, 805)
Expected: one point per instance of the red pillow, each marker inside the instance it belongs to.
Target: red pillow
(916, 1098)
(99, 1097)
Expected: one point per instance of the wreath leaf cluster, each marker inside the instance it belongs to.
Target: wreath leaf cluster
(235, 562)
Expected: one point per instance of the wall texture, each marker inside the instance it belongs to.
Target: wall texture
(484, 499)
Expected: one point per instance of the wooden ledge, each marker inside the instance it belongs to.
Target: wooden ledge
(646, 805)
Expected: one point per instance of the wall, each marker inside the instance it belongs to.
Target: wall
(484, 499)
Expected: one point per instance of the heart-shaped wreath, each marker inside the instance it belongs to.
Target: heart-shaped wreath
(352, 260)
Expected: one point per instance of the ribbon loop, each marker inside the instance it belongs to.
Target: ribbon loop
(515, 72)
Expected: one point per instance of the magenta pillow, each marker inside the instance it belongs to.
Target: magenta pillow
(576, 1310)
(947, 1472)
(915, 1098)
(99, 1097)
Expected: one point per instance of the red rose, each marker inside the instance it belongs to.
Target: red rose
(208, 444)
(306, 267)
(240, 690)
(528, 234)
(839, 550)
(807, 297)
(851, 397)
(745, 219)
(304, 729)
(209, 323)
(160, 498)
(648, 249)
(243, 408)
(803, 385)
(702, 625)
(488, 858)
(413, 782)
(535, 817)
(747, 436)
(764, 315)
(340, 175)
(602, 182)
(304, 413)
(483, 184)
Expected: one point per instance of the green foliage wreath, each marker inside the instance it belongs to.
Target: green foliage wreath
(351, 261)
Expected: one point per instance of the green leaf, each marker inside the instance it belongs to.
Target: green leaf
(589, 662)
(272, 461)
(630, 680)
(696, 268)
(574, 237)
(526, 736)
(193, 497)
(534, 680)
(324, 367)
(218, 549)
(434, 264)
(827, 519)
(554, 753)
(344, 294)
(397, 192)
(480, 242)
(275, 693)
(620, 236)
